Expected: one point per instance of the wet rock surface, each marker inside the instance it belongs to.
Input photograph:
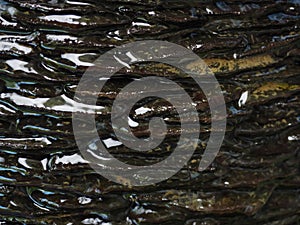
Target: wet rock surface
(251, 46)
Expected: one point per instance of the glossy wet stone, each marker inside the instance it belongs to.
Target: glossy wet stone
(253, 49)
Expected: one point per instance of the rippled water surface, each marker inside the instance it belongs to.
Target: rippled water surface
(251, 46)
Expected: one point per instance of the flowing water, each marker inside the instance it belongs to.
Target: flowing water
(251, 46)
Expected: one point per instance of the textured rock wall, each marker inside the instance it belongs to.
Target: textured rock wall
(251, 46)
